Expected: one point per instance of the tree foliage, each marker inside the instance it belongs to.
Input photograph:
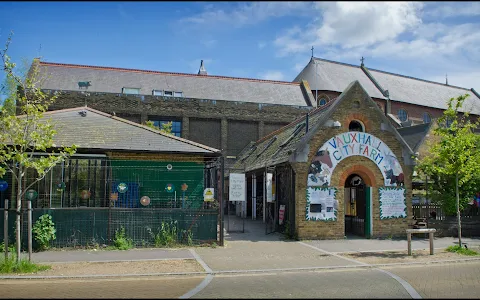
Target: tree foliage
(26, 133)
(457, 152)
(166, 127)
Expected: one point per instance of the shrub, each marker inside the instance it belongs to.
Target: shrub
(166, 235)
(44, 231)
(121, 241)
(460, 250)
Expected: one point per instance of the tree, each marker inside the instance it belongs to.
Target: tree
(453, 162)
(24, 134)
(166, 127)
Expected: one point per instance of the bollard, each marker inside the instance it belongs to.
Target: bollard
(409, 238)
(29, 230)
(5, 228)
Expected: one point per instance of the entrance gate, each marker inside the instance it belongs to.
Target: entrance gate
(357, 207)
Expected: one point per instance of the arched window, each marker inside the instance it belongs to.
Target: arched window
(402, 115)
(427, 118)
(356, 126)
(322, 102)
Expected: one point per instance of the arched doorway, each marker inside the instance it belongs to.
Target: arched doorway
(357, 207)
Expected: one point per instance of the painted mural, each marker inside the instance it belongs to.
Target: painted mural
(350, 144)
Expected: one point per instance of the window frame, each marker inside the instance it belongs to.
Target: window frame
(406, 115)
(429, 117)
(130, 88)
(154, 92)
(176, 125)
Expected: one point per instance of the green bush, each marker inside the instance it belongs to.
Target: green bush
(11, 248)
(166, 235)
(44, 231)
(121, 241)
(10, 265)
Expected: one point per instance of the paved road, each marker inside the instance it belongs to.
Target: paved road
(453, 280)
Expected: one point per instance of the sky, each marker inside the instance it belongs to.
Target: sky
(265, 40)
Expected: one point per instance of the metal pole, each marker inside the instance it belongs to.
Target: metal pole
(5, 228)
(29, 230)
(221, 200)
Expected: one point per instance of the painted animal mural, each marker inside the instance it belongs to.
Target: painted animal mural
(393, 170)
(319, 169)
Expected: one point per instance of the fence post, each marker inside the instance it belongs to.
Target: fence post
(29, 231)
(5, 228)
(221, 199)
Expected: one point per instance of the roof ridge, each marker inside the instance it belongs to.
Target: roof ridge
(166, 73)
(390, 73)
(134, 124)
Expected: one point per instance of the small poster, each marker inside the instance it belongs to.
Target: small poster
(392, 202)
(237, 187)
(321, 204)
(269, 187)
(208, 194)
(281, 214)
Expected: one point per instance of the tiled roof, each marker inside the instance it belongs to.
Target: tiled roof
(101, 131)
(58, 76)
(334, 76)
(414, 135)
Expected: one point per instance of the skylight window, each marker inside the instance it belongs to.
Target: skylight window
(294, 133)
(267, 146)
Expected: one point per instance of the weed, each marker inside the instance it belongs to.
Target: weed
(460, 250)
(121, 241)
(214, 245)
(188, 236)
(166, 235)
(44, 231)
(11, 247)
(10, 265)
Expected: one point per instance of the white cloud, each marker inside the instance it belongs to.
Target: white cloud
(454, 9)
(247, 13)
(273, 75)
(261, 45)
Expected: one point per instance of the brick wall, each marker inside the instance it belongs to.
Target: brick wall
(356, 164)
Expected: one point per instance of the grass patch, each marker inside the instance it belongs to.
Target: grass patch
(10, 265)
(460, 250)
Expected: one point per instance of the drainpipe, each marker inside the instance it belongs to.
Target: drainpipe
(306, 123)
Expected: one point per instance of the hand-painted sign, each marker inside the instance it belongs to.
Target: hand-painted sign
(145, 200)
(281, 214)
(392, 203)
(170, 188)
(269, 187)
(85, 194)
(31, 195)
(321, 204)
(122, 188)
(237, 187)
(349, 144)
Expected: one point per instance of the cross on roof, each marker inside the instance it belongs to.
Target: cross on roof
(362, 60)
(312, 51)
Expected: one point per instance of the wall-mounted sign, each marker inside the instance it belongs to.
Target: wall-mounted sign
(3, 185)
(269, 187)
(114, 196)
(184, 187)
(392, 202)
(122, 188)
(170, 188)
(321, 204)
(237, 187)
(31, 195)
(145, 200)
(85, 194)
(208, 194)
(350, 144)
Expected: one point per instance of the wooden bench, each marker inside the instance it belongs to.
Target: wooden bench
(430, 232)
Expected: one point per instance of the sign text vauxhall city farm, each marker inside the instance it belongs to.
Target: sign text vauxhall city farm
(357, 143)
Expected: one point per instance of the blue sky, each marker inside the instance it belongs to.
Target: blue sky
(269, 40)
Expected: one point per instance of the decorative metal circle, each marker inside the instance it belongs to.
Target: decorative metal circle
(145, 200)
(85, 194)
(122, 188)
(3, 185)
(169, 167)
(31, 195)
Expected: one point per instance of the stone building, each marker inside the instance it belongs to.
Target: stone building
(342, 169)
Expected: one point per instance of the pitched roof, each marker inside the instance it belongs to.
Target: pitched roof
(414, 135)
(332, 76)
(98, 130)
(58, 76)
(278, 146)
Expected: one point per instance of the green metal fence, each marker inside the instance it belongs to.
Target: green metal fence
(89, 226)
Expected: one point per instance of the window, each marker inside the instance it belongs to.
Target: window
(169, 93)
(131, 91)
(157, 92)
(426, 118)
(356, 104)
(178, 94)
(402, 115)
(356, 126)
(449, 122)
(322, 102)
(176, 126)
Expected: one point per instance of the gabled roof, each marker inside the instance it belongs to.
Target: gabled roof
(101, 131)
(415, 135)
(334, 76)
(58, 76)
(278, 146)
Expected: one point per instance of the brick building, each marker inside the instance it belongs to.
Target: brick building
(342, 169)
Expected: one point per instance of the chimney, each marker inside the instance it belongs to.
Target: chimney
(202, 70)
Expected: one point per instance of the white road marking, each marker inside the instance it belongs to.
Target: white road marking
(205, 281)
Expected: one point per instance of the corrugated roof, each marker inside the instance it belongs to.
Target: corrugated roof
(98, 130)
(57, 76)
(335, 76)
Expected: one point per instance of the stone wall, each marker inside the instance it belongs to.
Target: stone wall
(368, 170)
